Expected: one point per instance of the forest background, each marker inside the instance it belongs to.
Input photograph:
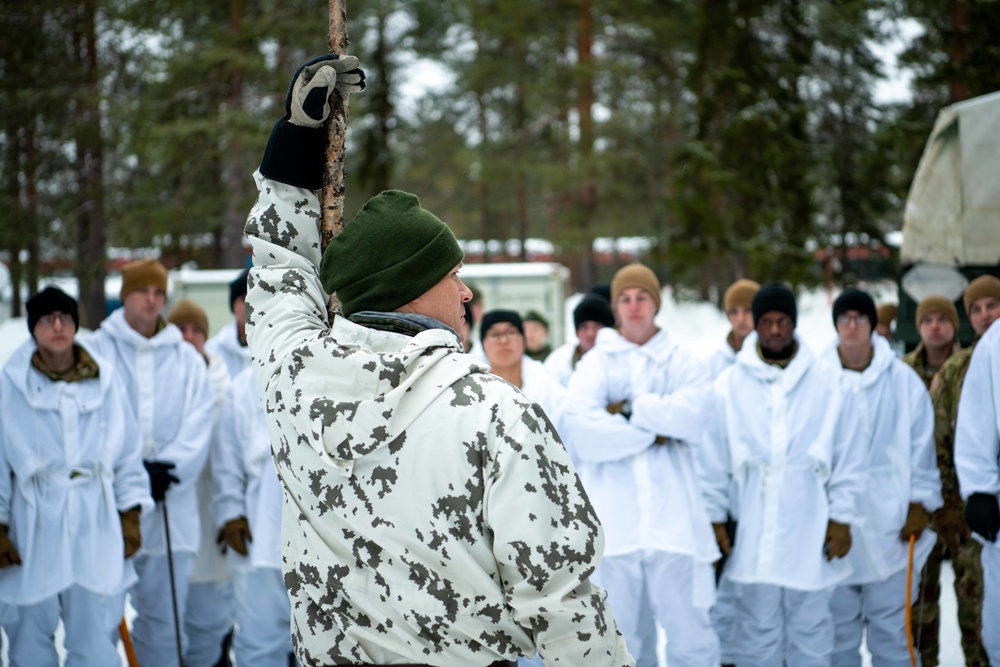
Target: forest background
(737, 137)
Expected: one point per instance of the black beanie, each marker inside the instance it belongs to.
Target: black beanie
(593, 308)
(496, 316)
(855, 299)
(238, 288)
(603, 290)
(774, 297)
(51, 300)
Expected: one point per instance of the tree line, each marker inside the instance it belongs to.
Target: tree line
(738, 135)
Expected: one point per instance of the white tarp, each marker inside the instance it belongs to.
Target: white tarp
(952, 214)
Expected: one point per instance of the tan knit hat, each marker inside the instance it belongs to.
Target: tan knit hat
(635, 275)
(141, 273)
(740, 294)
(982, 286)
(187, 311)
(938, 304)
(887, 313)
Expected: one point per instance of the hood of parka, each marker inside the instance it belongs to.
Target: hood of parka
(359, 388)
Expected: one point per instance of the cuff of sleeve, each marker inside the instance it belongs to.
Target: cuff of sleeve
(295, 155)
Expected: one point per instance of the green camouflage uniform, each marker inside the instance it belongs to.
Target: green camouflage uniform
(945, 389)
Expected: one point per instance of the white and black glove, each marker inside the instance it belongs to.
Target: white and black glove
(295, 153)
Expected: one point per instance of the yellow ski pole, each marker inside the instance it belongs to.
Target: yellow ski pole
(909, 602)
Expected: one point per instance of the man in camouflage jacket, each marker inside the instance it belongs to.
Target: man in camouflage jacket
(431, 514)
(982, 303)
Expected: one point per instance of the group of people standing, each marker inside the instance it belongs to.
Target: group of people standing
(132, 459)
(758, 501)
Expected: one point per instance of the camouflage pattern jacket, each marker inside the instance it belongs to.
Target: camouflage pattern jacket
(945, 391)
(917, 360)
(431, 514)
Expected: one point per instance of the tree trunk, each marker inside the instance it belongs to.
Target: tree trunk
(587, 198)
(233, 255)
(91, 235)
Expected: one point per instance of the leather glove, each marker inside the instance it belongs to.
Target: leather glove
(917, 518)
(235, 534)
(982, 514)
(951, 529)
(838, 540)
(130, 530)
(722, 537)
(8, 554)
(308, 100)
(160, 478)
(296, 150)
(623, 408)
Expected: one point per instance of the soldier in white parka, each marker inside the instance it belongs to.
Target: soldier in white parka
(209, 610)
(246, 506)
(230, 343)
(167, 386)
(632, 418)
(977, 462)
(72, 488)
(904, 487)
(780, 425)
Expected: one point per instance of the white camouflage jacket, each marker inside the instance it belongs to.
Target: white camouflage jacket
(431, 514)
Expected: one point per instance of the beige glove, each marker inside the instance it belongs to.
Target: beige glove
(130, 530)
(235, 534)
(917, 518)
(722, 537)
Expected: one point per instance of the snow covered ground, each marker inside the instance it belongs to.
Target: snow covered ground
(698, 324)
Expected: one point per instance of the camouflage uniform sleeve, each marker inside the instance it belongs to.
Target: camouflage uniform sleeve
(547, 542)
(285, 304)
(943, 399)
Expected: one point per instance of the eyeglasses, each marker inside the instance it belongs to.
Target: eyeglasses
(844, 319)
(51, 319)
(502, 335)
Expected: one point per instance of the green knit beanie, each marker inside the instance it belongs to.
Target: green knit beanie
(390, 253)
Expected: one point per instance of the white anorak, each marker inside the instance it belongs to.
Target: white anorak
(559, 363)
(244, 480)
(646, 495)
(718, 359)
(977, 431)
(792, 440)
(541, 388)
(226, 344)
(68, 465)
(210, 564)
(431, 514)
(898, 425)
(166, 382)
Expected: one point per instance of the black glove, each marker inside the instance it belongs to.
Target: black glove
(982, 514)
(160, 478)
(295, 153)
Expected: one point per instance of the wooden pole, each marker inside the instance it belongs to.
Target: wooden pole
(333, 178)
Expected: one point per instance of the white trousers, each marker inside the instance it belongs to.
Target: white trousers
(153, 633)
(724, 619)
(91, 624)
(670, 581)
(776, 626)
(208, 617)
(263, 618)
(991, 601)
(880, 608)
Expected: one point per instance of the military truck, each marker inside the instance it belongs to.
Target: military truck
(951, 223)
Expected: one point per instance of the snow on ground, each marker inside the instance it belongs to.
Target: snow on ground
(699, 325)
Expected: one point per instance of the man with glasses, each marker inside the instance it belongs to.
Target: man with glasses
(167, 385)
(903, 487)
(632, 420)
(780, 426)
(72, 488)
